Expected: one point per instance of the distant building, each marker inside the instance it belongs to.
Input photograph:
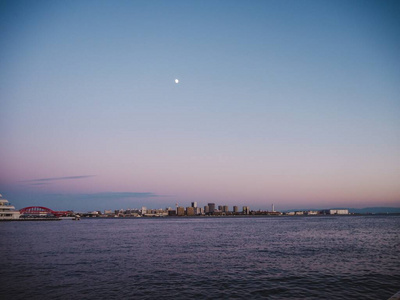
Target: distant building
(236, 209)
(220, 208)
(211, 207)
(198, 210)
(180, 211)
(143, 210)
(246, 210)
(206, 209)
(312, 212)
(194, 204)
(225, 208)
(190, 211)
(335, 211)
(172, 213)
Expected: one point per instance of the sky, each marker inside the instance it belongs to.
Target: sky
(295, 103)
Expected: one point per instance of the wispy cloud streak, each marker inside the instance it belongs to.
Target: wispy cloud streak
(58, 178)
(107, 195)
(118, 195)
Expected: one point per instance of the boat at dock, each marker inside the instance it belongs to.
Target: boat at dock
(7, 211)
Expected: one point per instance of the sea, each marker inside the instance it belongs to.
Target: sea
(321, 257)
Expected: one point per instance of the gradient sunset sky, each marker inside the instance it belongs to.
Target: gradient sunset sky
(295, 103)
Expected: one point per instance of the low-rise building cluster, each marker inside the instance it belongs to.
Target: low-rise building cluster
(318, 212)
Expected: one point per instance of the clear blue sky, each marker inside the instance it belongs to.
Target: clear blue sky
(295, 103)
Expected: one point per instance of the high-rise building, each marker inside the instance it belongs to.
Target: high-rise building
(180, 211)
(225, 208)
(206, 209)
(194, 204)
(220, 208)
(236, 209)
(190, 211)
(246, 210)
(211, 207)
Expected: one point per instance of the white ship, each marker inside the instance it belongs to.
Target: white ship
(7, 211)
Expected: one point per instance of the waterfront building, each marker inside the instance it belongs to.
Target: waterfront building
(180, 211)
(246, 210)
(7, 211)
(312, 212)
(144, 210)
(236, 209)
(206, 209)
(194, 204)
(199, 211)
(190, 211)
(220, 208)
(335, 211)
(225, 208)
(211, 207)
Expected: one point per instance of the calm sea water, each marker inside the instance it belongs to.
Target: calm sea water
(204, 258)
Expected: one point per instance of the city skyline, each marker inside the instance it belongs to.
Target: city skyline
(294, 103)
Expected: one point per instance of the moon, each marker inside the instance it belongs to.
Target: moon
(176, 80)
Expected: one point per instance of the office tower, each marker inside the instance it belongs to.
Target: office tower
(236, 209)
(190, 211)
(225, 208)
(194, 204)
(180, 211)
(246, 210)
(206, 209)
(211, 207)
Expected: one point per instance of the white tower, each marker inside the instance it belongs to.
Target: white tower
(273, 208)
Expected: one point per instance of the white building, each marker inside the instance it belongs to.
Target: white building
(246, 210)
(338, 211)
(7, 211)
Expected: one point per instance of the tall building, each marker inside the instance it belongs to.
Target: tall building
(246, 210)
(194, 204)
(220, 208)
(211, 207)
(225, 208)
(206, 209)
(180, 211)
(190, 211)
(236, 209)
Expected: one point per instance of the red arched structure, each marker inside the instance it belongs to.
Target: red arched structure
(40, 210)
